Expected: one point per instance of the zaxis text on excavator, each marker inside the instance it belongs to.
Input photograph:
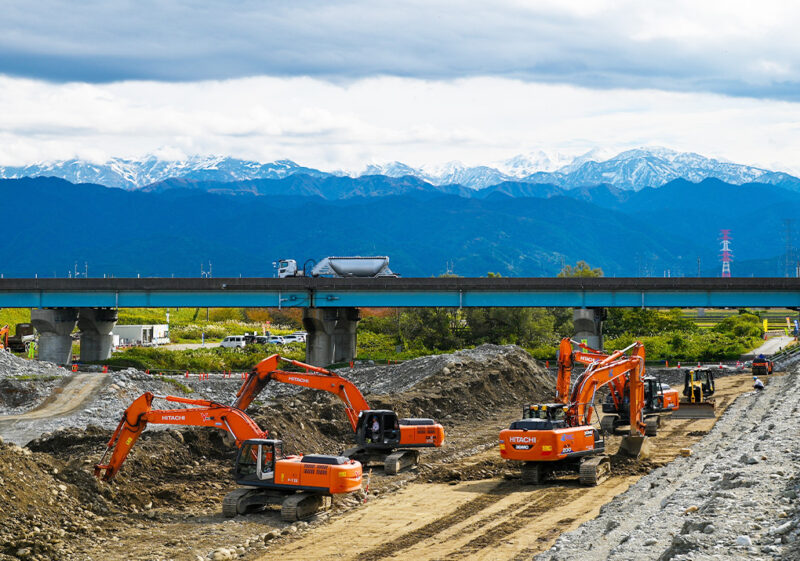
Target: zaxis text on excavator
(302, 485)
(560, 436)
(381, 437)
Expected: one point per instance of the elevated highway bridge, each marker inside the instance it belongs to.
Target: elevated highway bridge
(331, 304)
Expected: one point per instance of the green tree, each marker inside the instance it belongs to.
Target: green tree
(580, 269)
(521, 326)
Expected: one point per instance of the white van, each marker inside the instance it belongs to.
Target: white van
(233, 342)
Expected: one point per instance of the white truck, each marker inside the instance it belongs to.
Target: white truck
(339, 267)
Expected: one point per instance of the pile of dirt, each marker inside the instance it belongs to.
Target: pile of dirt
(48, 505)
(471, 384)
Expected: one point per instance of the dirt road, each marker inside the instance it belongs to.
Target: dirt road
(491, 519)
(76, 392)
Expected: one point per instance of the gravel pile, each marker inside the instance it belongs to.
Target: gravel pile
(735, 497)
(24, 384)
(13, 366)
(402, 377)
(116, 393)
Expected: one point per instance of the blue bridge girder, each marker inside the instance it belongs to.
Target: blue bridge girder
(400, 292)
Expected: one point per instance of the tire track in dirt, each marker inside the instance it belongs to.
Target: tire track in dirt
(76, 392)
(437, 526)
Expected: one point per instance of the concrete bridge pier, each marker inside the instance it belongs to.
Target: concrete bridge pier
(55, 326)
(331, 334)
(344, 334)
(95, 325)
(588, 325)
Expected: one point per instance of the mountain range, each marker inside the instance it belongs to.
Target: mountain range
(631, 170)
(514, 228)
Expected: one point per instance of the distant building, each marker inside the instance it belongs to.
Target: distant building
(141, 335)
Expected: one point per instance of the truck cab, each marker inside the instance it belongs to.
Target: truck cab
(287, 268)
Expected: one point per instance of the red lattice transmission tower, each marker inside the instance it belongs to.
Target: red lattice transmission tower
(726, 254)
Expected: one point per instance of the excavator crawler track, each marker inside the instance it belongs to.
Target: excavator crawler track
(651, 425)
(232, 501)
(595, 470)
(608, 424)
(400, 460)
(303, 505)
(533, 473)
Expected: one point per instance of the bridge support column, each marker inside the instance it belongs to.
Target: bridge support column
(331, 334)
(344, 335)
(588, 324)
(55, 326)
(96, 339)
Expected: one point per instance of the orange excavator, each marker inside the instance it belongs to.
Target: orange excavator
(381, 437)
(4, 338)
(302, 485)
(560, 436)
(659, 398)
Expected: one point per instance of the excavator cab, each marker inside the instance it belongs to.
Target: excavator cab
(379, 428)
(256, 460)
(546, 416)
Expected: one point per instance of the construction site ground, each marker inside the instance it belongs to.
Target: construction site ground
(462, 502)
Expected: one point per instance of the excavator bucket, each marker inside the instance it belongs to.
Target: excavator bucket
(697, 410)
(635, 446)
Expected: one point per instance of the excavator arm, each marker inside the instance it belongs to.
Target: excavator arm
(313, 377)
(140, 413)
(588, 356)
(611, 371)
(4, 337)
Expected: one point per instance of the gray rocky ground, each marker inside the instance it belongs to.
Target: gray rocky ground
(735, 497)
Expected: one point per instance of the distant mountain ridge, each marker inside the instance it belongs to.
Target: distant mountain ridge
(513, 228)
(631, 170)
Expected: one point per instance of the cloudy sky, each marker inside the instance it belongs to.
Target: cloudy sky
(343, 84)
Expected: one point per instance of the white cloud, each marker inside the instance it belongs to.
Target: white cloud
(346, 126)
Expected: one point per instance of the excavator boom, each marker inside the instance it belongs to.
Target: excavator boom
(313, 377)
(139, 413)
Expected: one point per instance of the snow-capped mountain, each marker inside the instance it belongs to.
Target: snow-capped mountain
(524, 165)
(650, 167)
(630, 170)
(131, 174)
